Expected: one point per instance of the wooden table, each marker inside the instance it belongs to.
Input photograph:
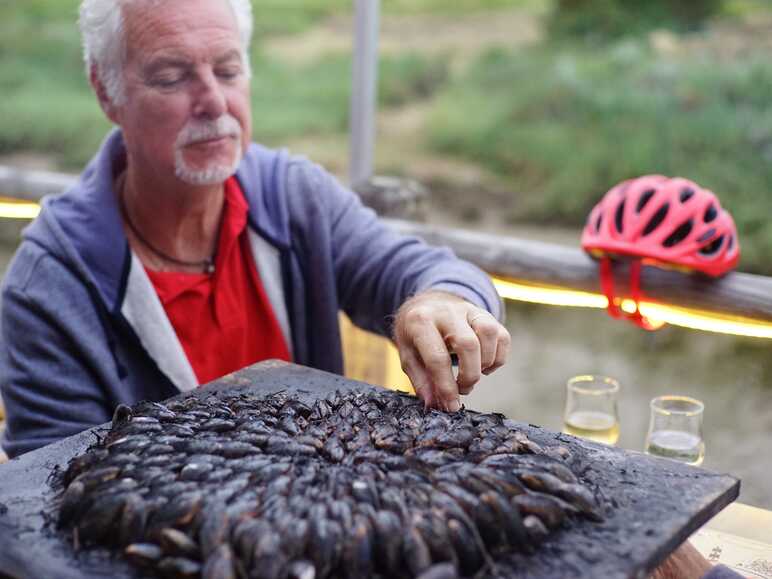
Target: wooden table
(651, 504)
(740, 537)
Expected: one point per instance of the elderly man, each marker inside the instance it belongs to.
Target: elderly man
(186, 251)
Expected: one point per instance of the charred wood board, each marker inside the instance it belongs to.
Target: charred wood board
(652, 504)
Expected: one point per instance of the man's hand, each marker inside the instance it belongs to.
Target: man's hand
(432, 324)
(684, 563)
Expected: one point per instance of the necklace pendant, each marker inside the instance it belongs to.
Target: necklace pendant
(209, 268)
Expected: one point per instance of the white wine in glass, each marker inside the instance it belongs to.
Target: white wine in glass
(593, 425)
(591, 408)
(675, 429)
(678, 445)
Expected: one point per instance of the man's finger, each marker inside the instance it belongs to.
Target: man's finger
(411, 365)
(486, 328)
(466, 345)
(503, 344)
(465, 389)
(435, 359)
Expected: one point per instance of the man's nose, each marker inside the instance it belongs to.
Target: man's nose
(210, 100)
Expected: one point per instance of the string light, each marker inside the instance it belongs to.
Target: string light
(14, 209)
(657, 314)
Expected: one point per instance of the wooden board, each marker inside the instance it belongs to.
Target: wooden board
(653, 504)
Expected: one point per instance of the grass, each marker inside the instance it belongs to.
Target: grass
(287, 101)
(47, 104)
(270, 16)
(314, 98)
(459, 6)
(560, 124)
(583, 121)
(746, 8)
(48, 107)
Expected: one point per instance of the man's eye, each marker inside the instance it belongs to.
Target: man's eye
(168, 81)
(228, 73)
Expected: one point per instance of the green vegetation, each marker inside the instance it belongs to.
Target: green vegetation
(48, 107)
(564, 125)
(560, 123)
(46, 104)
(604, 19)
(313, 99)
(274, 17)
(457, 6)
(745, 7)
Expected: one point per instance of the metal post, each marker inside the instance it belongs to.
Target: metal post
(364, 91)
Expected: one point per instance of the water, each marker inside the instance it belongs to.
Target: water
(597, 426)
(677, 445)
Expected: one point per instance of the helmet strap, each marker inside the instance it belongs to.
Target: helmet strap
(635, 293)
(607, 285)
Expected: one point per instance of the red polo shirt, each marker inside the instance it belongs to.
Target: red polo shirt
(223, 320)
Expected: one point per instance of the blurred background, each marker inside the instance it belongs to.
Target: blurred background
(517, 115)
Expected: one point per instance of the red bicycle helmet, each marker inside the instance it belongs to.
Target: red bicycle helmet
(656, 220)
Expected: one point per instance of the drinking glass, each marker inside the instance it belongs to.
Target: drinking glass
(675, 429)
(591, 408)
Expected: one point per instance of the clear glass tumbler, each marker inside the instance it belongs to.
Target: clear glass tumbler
(591, 408)
(675, 429)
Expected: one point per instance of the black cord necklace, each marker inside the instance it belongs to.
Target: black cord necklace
(207, 264)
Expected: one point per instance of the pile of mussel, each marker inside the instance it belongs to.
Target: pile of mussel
(363, 484)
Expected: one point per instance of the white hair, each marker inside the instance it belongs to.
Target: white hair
(102, 30)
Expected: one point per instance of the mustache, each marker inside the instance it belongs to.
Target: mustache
(196, 131)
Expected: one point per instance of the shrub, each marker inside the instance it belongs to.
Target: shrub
(610, 19)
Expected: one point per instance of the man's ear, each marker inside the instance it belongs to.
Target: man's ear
(104, 100)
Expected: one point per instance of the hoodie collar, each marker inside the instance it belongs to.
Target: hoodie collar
(86, 224)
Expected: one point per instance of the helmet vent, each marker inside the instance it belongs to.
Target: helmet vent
(686, 194)
(679, 234)
(713, 246)
(730, 243)
(618, 216)
(645, 196)
(598, 222)
(707, 235)
(658, 218)
(710, 213)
